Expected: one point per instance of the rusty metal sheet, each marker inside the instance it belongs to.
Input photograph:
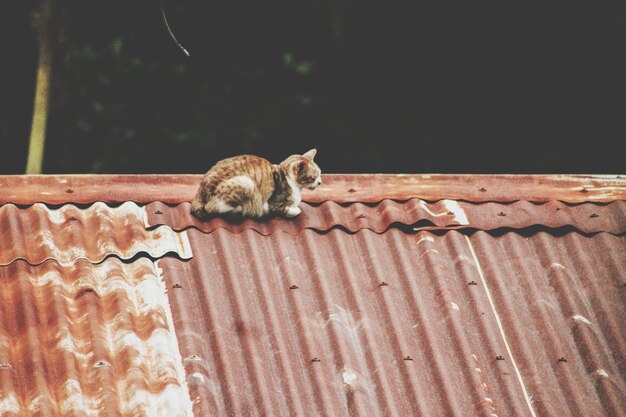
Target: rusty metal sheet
(562, 303)
(84, 189)
(60, 189)
(402, 324)
(476, 188)
(337, 324)
(88, 340)
(444, 214)
(38, 233)
(584, 217)
(322, 217)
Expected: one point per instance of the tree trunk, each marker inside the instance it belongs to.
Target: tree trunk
(44, 21)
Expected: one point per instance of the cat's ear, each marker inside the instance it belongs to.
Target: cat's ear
(301, 167)
(310, 154)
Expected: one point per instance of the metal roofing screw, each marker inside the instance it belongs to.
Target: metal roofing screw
(558, 208)
(472, 283)
(69, 191)
(293, 287)
(360, 216)
(408, 358)
(499, 358)
(594, 215)
(158, 212)
(88, 289)
(177, 286)
(315, 360)
(482, 189)
(501, 214)
(352, 190)
(72, 218)
(562, 360)
(383, 284)
(101, 364)
(584, 190)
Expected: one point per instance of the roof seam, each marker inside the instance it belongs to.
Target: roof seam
(178, 363)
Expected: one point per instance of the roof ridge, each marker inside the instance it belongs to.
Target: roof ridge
(58, 189)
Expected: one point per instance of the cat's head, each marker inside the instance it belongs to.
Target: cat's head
(303, 170)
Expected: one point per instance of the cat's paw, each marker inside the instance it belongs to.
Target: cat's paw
(199, 212)
(292, 211)
(197, 209)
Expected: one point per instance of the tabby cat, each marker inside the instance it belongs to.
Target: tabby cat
(251, 186)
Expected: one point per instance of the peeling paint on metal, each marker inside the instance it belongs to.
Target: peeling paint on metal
(106, 351)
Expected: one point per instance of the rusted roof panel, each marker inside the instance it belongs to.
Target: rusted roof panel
(444, 214)
(322, 217)
(38, 233)
(61, 189)
(584, 217)
(401, 324)
(88, 340)
(562, 305)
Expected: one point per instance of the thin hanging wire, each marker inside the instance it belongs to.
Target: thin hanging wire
(169, 30)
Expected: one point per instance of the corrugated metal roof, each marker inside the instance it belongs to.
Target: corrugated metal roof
(353, 308)
(561, 302)
(401, 324)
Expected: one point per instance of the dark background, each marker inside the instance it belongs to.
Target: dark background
(376, 86)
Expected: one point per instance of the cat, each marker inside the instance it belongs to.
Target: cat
(251, 186)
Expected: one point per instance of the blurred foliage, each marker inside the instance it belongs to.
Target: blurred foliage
(376, 87)
(135, 103)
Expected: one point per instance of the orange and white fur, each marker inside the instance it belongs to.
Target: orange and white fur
(251, 186)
